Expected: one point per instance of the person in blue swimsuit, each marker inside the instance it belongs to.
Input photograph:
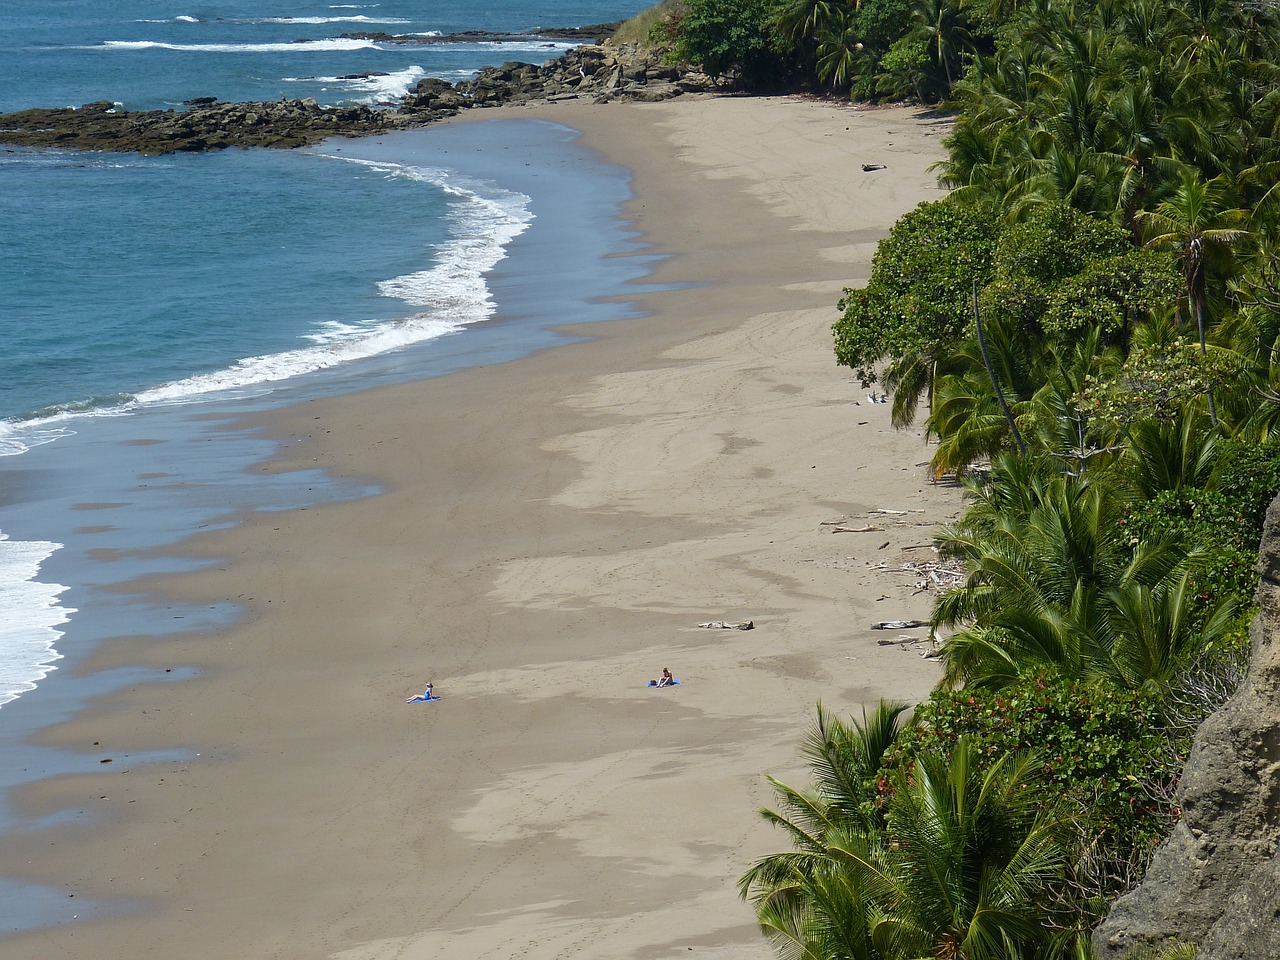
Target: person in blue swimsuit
(423, 697)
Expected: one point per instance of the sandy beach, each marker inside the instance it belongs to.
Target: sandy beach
(552, 533)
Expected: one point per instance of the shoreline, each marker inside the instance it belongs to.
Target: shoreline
(539, 561)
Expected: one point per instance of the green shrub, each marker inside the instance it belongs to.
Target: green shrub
(919, 298)
(650, 28)
(727, 37)
(905, 71)
(1109, 751)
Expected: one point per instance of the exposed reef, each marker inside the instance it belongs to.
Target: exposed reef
(594, 33)
(593, 72)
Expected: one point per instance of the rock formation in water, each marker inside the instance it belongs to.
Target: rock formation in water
(593, 72)
(1215, 882)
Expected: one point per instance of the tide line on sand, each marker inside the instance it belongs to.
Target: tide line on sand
(548, 524)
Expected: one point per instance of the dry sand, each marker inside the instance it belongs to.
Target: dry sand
(553, 532)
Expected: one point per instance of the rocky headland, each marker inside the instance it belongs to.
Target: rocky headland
(1215, 882)
(594, 72)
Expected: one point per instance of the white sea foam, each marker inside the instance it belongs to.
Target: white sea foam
(17, 437)
(309, 20)
(448, 296)
(303, 46)
(29, 616)
(376, 89)
(347, 18)
(514, 46)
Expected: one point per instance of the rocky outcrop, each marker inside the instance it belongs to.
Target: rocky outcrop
(592, 72)
(595, 72)
(1215, 882)
(204, 125)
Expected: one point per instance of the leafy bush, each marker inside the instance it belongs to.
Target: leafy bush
(919, 298)
(1107, 750)
(1248, 475)
(1049, 265)
(881, 23)
(724, 37)
(648, 27)
(1055, 243)
(1112, 294)
(1159, 382)
(905, 71)
(1223, 521)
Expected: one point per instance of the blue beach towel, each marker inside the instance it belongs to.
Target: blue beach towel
(654, 683)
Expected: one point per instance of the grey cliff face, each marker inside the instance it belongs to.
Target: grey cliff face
(1215, 882)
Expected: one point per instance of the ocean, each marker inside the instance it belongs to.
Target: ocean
(148, 303)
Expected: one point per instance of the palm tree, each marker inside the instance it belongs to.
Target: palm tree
(812, 901)
(823, 34)
(1136, 135)
(1200, 222)
(980, 397)
(1046, 554)
(843, 762)
(1169, 455)
(956, 869)
(972, 851)
(942, 25)
(840, 54)
(1155, 639)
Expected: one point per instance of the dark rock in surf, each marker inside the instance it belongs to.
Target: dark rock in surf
(598, 73)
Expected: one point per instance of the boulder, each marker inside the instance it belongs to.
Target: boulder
(649, 92)
(1215, 882)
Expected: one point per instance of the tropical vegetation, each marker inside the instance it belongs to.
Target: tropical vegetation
(1087, 327)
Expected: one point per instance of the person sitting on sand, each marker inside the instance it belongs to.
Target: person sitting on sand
(423, 697)
(667, 679)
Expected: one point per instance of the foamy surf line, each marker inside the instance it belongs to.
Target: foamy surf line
(30, 615)
(285, 20)
(451, 294)
(301, 46)
(462, 285)
(378, 88)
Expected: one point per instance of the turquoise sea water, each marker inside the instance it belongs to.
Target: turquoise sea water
(145, 301)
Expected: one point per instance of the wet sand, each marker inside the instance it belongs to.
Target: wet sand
(554, 530)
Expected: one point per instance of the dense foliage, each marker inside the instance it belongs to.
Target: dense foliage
(917, 303)
(1109, 759)
(728, 37)
(1090, 323)
(868, 48)
(950, 856)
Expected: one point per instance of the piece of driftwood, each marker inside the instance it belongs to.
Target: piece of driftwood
(868, 167)
(941, 575)
(899, 624)
(901, 641)
(726, 625)
(866, 529)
